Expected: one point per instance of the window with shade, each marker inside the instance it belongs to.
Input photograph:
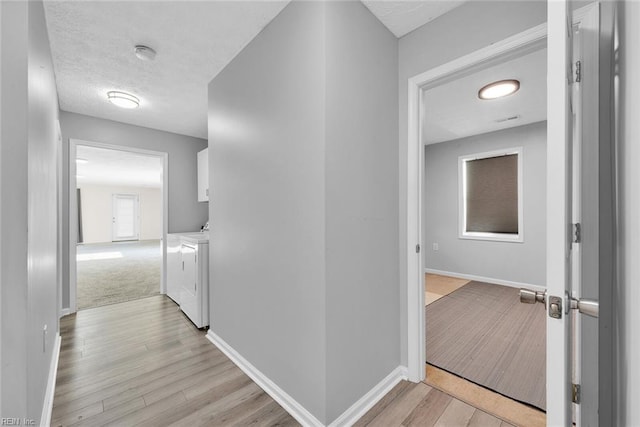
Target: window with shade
(491, 196)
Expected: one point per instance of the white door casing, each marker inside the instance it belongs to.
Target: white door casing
(519, 44)
(73, 212)
(557, 34)
(559, 204)
(126, 217)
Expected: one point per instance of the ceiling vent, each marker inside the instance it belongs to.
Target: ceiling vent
(507, 119)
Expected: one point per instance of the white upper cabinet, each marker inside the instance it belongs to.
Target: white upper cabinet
(203, 175)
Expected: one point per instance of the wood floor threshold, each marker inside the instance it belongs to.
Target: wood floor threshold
(486, 400)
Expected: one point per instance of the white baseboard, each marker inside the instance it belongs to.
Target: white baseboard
(294, 408)
(45, 418)
(366, 402)
(65, 312)
(486, 279)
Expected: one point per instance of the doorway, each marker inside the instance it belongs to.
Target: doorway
(126, 217)
(118, 223)
(484, 227)
(524, 42)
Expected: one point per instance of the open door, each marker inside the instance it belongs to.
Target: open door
(560, 184)
(559, 211)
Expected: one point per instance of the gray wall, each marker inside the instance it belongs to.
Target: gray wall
(511, 261)
(361, 181)
(470, 27)
(29, 177)
(185, 213)
(628, 290)
(302, 131)
(267, 180)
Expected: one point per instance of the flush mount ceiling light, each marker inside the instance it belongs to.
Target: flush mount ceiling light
(79, 160)
(145, 53)
(499, 89)
(122, 99)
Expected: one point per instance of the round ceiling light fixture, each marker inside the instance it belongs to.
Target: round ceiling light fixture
(144, 53)
(499, 89)
(122, 99)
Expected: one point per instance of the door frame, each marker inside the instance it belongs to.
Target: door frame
(73, 211)
(518, 44)
(136, 225)
(526, 41)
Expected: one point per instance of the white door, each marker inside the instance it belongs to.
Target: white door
(125, 217)
(559, 214)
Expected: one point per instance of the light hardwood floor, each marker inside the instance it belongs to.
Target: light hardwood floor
(410, 404)
(144, 363)
(437, 286)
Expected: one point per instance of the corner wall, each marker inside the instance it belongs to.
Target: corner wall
(303, 251)
(267, 204)
(361, 182)
(522, 262)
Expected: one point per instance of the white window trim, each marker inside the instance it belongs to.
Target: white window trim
(462, 208)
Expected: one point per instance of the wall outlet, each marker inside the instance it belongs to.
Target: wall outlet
(436, 247)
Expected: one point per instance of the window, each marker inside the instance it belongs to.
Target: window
(490, 186)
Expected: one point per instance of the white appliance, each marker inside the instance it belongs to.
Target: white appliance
(188, 274)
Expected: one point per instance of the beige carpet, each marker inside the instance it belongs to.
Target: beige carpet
(110, 273)
(481, 332)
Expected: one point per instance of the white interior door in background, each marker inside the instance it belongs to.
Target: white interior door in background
(126, 218)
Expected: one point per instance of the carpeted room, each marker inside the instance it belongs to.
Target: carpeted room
(119, 254)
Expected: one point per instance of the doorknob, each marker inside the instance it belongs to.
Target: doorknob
(532, 297)
(586, 306)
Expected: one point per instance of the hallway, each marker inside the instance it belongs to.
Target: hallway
(143, 363)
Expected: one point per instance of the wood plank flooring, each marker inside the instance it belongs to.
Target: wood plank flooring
(409, 404)
(144, 363)
(437, 286)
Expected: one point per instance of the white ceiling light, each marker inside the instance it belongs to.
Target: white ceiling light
(145, 53)
(79, 160)
(122, 99)
(499, 89)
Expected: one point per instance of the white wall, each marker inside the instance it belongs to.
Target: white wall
(29, 288)
(185, 213)
(470, 27)
(97, 211)
(522, 262)
(628, 292)
(303, 134)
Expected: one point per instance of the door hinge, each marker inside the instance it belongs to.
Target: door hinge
(578, 72)
(577, 233)
(418, 249)
(575, 393)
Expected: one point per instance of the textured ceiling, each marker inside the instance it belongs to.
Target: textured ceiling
(402, 17)
(115, 167)
(92, 44)
(453, 110)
